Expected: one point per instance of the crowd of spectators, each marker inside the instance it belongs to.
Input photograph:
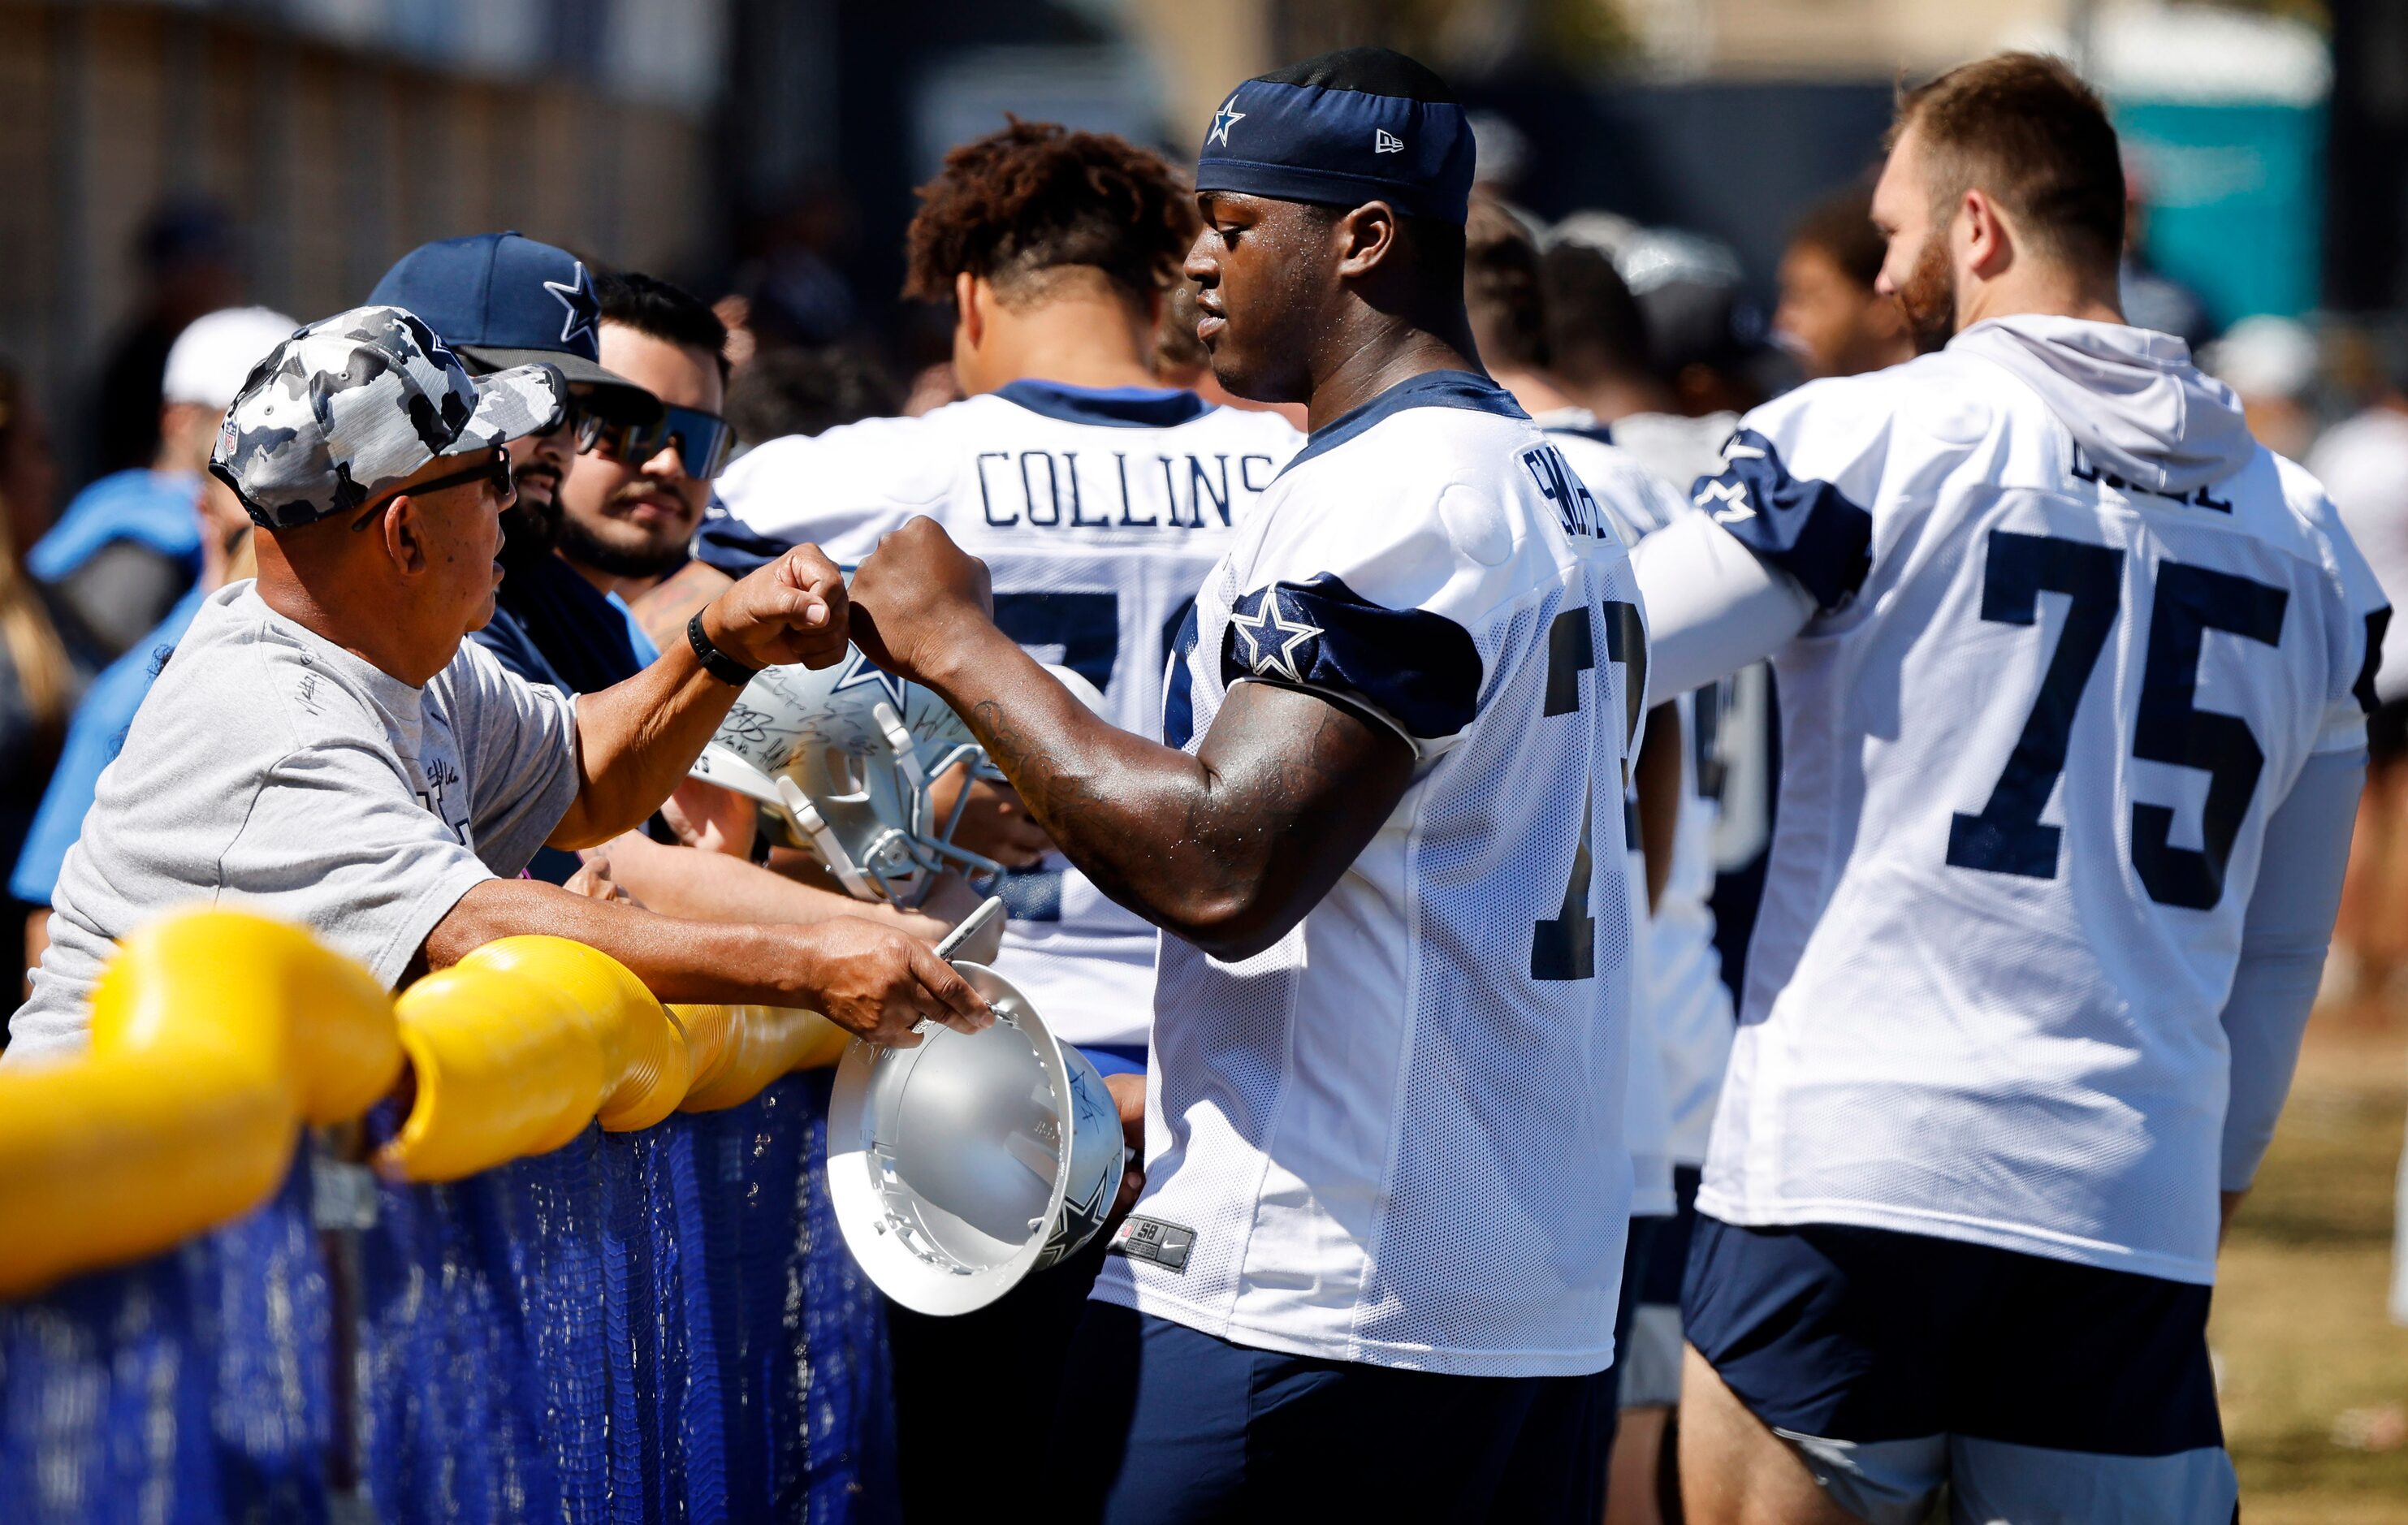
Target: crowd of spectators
(95, 596)
(1657, 330)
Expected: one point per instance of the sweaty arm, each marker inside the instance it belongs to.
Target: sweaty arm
(687, 882)
(869, 980)
(1713, 606)
(636, 740)
(1227, 848)
(2282, 940)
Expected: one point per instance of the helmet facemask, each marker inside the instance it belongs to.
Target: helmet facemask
(841, 761)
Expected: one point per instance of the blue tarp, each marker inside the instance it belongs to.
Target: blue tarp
(661, 1326)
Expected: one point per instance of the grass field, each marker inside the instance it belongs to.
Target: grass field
(2315, 1375)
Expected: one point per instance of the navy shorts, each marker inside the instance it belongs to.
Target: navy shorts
(1893, 1362)
(1647, 1339)
(1162, 1424)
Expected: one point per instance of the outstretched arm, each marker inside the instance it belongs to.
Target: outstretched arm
(869, 980)
(636, 740)
(2283, 941)
(1227, 848)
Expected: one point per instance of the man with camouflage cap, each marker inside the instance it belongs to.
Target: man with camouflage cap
(326, 747)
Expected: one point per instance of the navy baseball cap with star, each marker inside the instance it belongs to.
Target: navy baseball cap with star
(502, 299)
(1361, 125)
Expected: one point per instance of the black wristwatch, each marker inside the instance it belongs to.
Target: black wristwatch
(718, 663)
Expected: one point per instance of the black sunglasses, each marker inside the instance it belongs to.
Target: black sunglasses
(703, 440)
(495, 468)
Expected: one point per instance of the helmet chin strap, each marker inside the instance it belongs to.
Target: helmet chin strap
(825, 842)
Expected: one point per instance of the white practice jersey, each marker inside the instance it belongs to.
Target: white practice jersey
(2030, 744)
(1637, 504)
(1097, 513)
(1396, 1137)
(1679, 450)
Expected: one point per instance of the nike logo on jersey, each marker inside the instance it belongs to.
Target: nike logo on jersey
(1383, 141)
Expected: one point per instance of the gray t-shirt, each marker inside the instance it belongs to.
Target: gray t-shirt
(271, 769)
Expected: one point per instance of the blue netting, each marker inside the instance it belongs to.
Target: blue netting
(653, 1327)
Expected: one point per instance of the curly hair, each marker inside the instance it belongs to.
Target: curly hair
(1038, 197)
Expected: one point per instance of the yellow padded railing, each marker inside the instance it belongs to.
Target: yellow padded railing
(216, 1035)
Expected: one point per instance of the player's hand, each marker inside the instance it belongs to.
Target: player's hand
(792, 610)
(712, 819)
(995, 824)
(914, 595)
(1129, 1097)
(951, 899)
(593, 879)
(876, 982)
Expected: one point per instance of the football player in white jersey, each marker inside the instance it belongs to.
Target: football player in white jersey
(1098, 500)
(2071, 675)
(1682, 1023)
(1684, 1006)
(1374, 1269)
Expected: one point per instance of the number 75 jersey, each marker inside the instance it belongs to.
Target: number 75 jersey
(2031, 747)
(1396, 1137)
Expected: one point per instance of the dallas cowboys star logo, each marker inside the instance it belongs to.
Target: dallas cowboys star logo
(1734, 498)
(1272, 639)
(577, 296)
(859, 671)
(1222, 120)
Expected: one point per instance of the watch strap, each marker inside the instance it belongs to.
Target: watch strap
(718, 663)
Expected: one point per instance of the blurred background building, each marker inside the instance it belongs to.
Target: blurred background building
(163, 158)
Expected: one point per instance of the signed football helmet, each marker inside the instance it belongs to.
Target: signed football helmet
(841, 759)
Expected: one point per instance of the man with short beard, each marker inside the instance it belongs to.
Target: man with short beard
(2071, 675)
(501, 299)
(633, 495)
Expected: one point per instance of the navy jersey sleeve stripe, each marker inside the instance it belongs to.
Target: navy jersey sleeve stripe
(2378, 624)
(734, 548)
(1420, 669)
(1179, 690)
(1807, 528)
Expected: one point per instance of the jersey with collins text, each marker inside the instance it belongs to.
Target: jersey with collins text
(1098, 513)
(1396, 1137)
(2031, 742)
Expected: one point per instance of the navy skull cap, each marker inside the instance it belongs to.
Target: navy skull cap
(1361, 125)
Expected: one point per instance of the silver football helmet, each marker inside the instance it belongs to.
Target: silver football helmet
(841, 759)
(961, 1166)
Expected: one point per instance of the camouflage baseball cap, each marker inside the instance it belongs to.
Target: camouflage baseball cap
(352, 406)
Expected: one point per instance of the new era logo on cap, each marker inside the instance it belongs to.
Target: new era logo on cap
(1385, 141)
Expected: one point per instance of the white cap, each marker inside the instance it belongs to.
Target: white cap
(212, 357)
(2264, 356)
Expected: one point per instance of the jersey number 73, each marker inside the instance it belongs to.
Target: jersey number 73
(1564, 946)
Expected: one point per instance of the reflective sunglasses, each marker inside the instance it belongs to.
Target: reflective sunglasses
(496, 469)
(703, 440)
